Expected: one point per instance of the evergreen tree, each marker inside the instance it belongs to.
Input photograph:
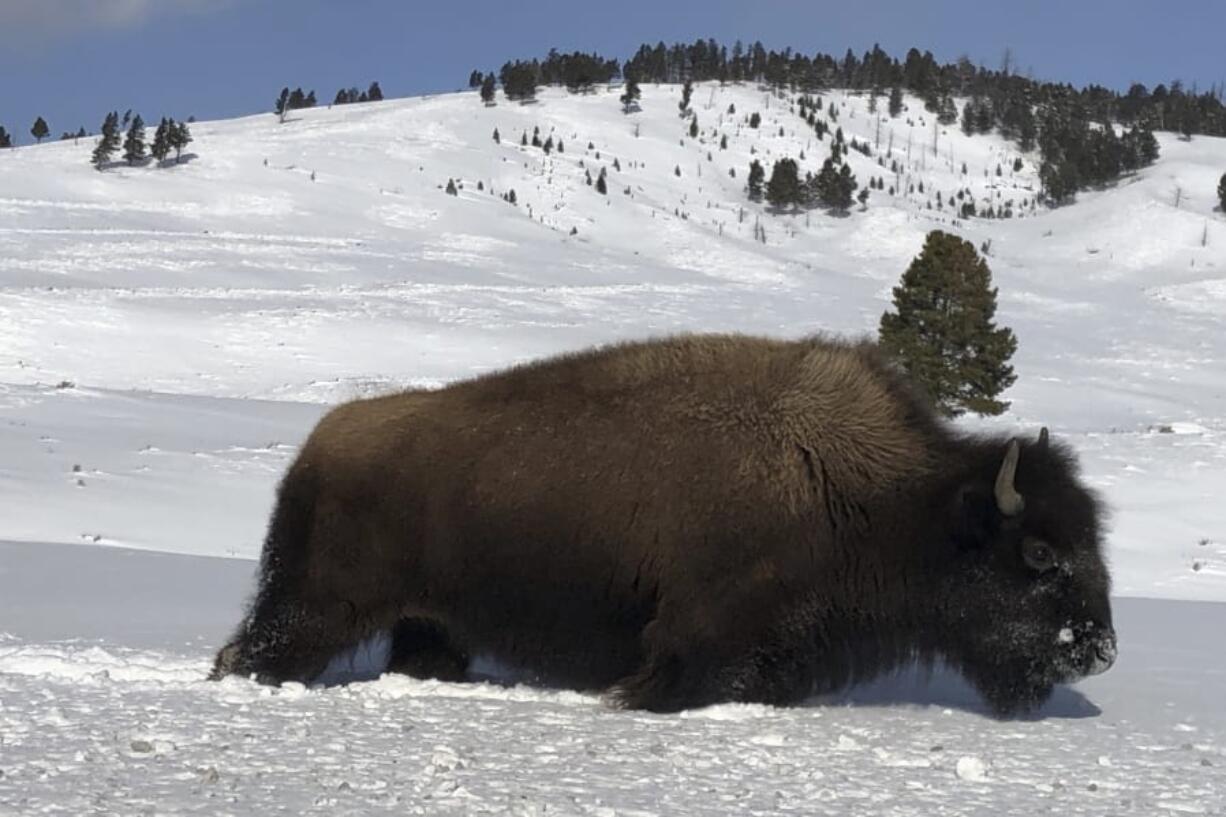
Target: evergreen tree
(687, 91)
(755, 119)
(694, 126)
(179, 136)
(968, 118)
(1059, 180)
(39, 129)
(942, 331)
(723, 142)
(783, 189)
(601, 186)
(108, 143)
(451, 188)
(6, 141)
(497, 137)
(895, 101)
(160, 148)
(835, 186)
(632, 93)
(281, 108)
(374, 93)
(757, 174)
(134, 144)
(488, 89)
(1221, 191)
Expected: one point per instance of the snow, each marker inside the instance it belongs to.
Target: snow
(103, 708)
(169, 336)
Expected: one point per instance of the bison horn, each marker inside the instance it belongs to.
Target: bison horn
(1008, 499)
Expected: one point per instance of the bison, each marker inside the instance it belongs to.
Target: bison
(681, 522)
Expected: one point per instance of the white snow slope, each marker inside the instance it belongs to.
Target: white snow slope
(168, 336)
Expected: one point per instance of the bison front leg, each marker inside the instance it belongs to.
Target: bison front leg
(732, 650)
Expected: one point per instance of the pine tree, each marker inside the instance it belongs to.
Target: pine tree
(694, 126)
(723, 142)
(108, 143)
(134, 144)
(160, 148)
(1221, 191)
(488, 90)
(281, 108)
(497, 137)
(687, 91)
(835, 186)
(374, 94)
(179, 136)
(632, 93)
(942, 332)
(601, 186)
(39, 130)
(757, 174)
(6, 141)
(451, 188)
(755, 119)
(895, 101)
(783, 189)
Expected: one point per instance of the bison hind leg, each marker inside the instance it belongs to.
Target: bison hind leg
(422, 648)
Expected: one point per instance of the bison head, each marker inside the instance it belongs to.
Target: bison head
(1026, 606)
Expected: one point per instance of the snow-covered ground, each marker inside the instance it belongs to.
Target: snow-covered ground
(103, 709)
(168, 336)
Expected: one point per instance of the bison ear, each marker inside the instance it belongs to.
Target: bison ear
(1044, 438)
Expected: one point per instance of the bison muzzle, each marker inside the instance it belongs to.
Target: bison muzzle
(681, 522)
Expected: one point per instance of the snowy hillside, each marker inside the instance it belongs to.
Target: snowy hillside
(237, 277)
(169, 335)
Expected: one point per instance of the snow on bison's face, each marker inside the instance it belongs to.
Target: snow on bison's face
(1027, 604)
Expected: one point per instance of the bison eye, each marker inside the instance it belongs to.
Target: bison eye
(1038, 555)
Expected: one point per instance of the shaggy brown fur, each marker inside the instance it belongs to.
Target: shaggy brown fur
(687, 520)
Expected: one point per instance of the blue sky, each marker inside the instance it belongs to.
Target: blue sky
(72, 60)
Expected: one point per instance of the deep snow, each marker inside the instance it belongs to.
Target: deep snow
(168, 336)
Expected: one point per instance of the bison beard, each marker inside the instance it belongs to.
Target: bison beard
(681, 522)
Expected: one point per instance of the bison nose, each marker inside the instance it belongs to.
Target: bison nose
(1103, 654)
